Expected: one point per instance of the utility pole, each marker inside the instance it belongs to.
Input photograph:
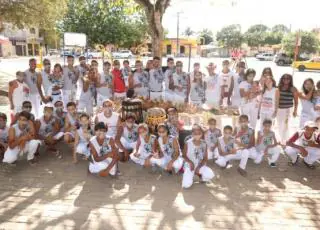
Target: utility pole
(178, 22)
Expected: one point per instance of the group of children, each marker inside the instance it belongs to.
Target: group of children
(66, 114)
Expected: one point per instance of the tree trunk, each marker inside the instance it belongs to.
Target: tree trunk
(156, 31)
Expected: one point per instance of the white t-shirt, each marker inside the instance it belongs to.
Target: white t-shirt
(246, 86)
(213, 90)
(226, 79)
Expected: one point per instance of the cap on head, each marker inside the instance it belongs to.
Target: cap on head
(310, 124)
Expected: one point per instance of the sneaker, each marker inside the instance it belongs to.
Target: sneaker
(273, 165)
(242, 172)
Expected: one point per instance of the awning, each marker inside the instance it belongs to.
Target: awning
(4, 40)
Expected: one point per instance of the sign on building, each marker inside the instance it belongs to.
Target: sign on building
(75, 39)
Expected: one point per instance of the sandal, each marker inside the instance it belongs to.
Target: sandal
(294, 163)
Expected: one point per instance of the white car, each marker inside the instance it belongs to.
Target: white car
(265, 57)
(94, 55)
(122, 54)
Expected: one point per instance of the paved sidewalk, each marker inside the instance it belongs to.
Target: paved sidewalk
(59, 195)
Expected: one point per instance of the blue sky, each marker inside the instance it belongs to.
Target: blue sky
(214, 14)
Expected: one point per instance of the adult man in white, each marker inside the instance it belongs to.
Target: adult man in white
(156, 80)
(168, 79)
(21, 140)
(70, 77)
(31, 79)
(109, 118)
(18, 93)
(44, 84)
(104, 84)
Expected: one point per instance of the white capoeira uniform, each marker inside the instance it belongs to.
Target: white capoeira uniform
(182, 81)
(82, 70)
(249, 106)
(19, 95)
(46, 82)
(300, 139)
(213, 90)
(105, 148)
(30, 148)
(56, 95)
(156, 84)
(195, 154)
(245, 138)
(125, 73)
(225, 80)
(74, 121)
(241, 155)
(34, 96)
(83, 145)
(274, 152)
(307, 112)
(104, 92)
(144, 151)
(173, 130)
(46, 128)
(70, 85)
(268, 105)
(61, 118)
(143, 79)
(211, 138)
(111, 122)
(197, 93)
(129, 137)
(168, 153)
(85, 103)
(168, 93)
(236, 98)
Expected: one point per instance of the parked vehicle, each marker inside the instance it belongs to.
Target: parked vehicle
(282, 59)
(146, 54)
(94, 54)
(312, 64)
(122, 54)
(53, 52)
(213, 54)
(65, 52)
(265, 57)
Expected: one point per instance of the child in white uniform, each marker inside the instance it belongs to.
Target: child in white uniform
(104, 84)
(181, 84)
(139, 81)
(197, 90)
(169, 152)
(196, 156)
(228, 150)
(267, 143)
(304, 142)
(211, 137)
(103, 152)
(126, 138)
(145, 148)
(82, 138)
(71, 123)
(4, 130)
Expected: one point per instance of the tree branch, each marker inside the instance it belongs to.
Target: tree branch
(144, 3)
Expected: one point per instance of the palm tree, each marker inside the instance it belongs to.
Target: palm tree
(188, 32)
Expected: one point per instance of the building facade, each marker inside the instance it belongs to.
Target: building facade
(25, 42)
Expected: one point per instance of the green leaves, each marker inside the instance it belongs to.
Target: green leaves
(230, 36)
(117, 22)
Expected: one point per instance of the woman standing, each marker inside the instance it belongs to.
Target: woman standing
(197, 90)
(139, 81)
(213, 90)
(248, 95)
(269, 103)
(307, 112)
(288, 98)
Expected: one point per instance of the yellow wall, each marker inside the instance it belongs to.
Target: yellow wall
(182, 42)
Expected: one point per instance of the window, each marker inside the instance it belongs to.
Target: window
(32, 30)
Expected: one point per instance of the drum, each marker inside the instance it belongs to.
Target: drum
(155, 116)
(132, 107)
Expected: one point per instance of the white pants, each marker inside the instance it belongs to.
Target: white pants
(169, 96)
(235, 101)
(178, 98)
(213, 154)
(68, 96)
(251, 111)
(36, 105)
(11, 155)
(86, 106)
(241, 155)
(83, 149)
(101, 98)
(138, 160)
(164, 161)
(273, 154)
(283, 119)
(156, 95)
(96, 167)
(187, 178)
(128, 145)
(120, 96)
(313, 154)
(255, 156)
